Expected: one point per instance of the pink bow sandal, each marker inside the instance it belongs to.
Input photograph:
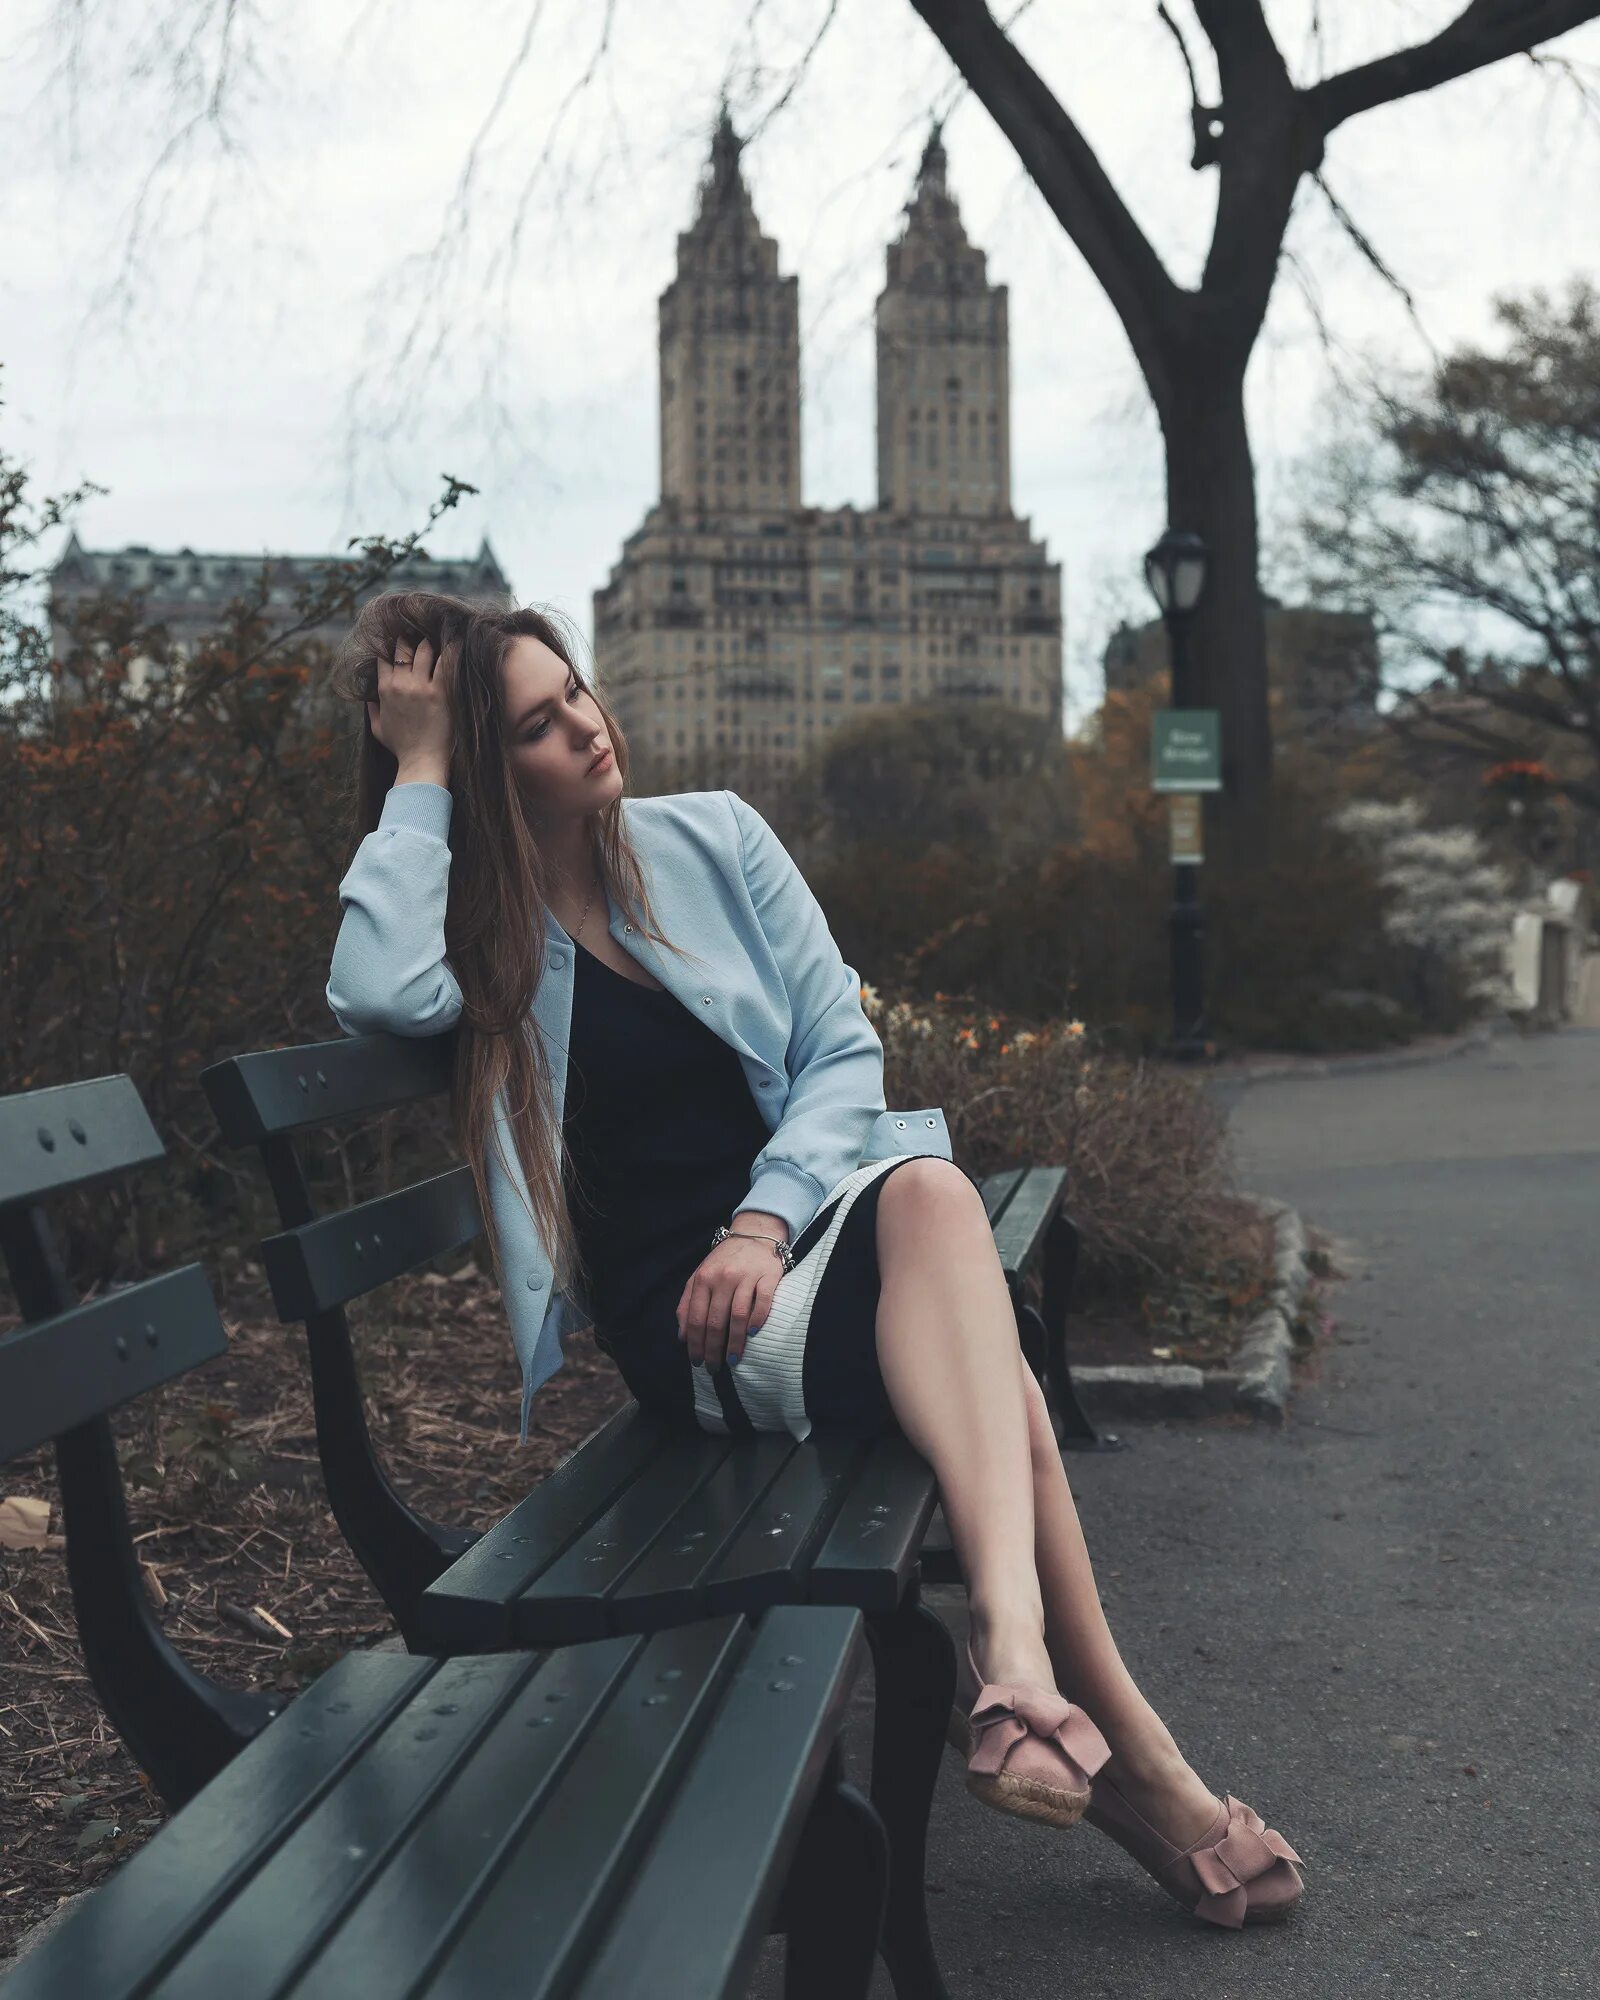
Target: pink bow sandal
(1240, 1871)
(1029, 1751)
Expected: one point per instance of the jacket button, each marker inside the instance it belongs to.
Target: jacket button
(705, 1000)
(558, 958)
(764, 1082)
(535, 1282)
(933, 1121)
(901, 1123)
(627, 927)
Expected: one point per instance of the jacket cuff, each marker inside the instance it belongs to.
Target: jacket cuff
(420, 805)
(782, 1189)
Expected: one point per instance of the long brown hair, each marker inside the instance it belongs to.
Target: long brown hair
(499, 883)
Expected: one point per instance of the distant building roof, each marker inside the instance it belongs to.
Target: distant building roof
(193, 578)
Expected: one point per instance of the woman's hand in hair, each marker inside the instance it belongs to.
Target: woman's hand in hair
(411, 716)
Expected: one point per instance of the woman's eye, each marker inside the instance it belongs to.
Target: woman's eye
(533, 735)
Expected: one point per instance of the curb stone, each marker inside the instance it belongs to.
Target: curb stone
(1257, 1376)
(1287, 1068)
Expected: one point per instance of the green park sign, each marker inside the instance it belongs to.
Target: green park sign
(1186, 750)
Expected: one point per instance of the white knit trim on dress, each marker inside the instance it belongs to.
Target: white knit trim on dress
(769, 1380)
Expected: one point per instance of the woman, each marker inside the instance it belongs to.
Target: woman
(880, 1304)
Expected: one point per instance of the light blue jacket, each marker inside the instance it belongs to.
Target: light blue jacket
(766, 976)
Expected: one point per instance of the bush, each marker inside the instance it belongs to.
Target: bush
(1342, 928)
(1152, 1181)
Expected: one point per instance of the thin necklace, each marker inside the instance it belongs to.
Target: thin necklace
(575, 935)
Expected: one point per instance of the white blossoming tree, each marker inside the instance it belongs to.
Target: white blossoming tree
(1450, 907)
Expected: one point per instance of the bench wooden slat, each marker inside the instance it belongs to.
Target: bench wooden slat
(772, 1738)
(299, 1893)
(1020, 1225)
(546, 1906)
(139, 1918)
(872, 1547)
(768, 1559)
(326, 1263)
(477, 1826)
(680, 1525)
(436, 1870)
(670, 1579)
(570, 1598)
(470, 1605)
(998, 1188)
(57, 1373)
(70, 1135)
(274, 1092)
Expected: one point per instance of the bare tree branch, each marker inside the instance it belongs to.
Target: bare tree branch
(801, 67)
(1368, 251)
(1238, 31)
(1584, 78)
(1067, 173)
(1205, 118)
(1484, 32)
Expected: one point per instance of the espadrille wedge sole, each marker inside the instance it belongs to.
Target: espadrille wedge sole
(1029, 1751)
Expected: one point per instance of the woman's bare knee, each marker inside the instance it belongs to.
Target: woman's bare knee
(929, 1200)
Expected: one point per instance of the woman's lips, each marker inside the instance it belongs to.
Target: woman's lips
(601, 763)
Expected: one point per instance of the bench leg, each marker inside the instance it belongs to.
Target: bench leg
(834, 1900)
(914, 1663)
(1060, 1263)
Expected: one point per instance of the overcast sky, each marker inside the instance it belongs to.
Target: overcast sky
(313, 323)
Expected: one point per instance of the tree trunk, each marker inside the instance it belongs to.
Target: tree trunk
(1211, 491)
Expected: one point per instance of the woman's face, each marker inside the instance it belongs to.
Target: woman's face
(555, 729)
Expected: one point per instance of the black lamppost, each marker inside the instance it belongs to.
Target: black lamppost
(1175, 570)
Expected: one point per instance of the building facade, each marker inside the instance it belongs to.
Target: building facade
(189, 592)
(1323, 665)
(739, 625)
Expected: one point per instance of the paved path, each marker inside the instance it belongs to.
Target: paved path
(1339, 1617)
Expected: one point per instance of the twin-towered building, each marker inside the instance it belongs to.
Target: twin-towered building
(740, 621)
(739, 625)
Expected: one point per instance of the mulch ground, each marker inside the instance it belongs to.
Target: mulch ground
(1199, 1324)
(252, 1580)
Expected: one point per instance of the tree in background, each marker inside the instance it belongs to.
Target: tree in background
(169, 850)
(1449, 907)
(1465, 511)
(1265, 134)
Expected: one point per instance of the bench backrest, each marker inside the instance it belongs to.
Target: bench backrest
(315, 1265)
(62, 1371)
(1021, 1201)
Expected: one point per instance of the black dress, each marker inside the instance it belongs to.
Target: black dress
(660, 1132)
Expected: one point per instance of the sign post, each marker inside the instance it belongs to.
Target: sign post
(1185, 760)
(1186, 763)
(1186, 827)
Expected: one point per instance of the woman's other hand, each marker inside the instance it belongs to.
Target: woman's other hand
(727, 1298)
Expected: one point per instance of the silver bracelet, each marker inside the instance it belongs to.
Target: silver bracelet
(785, 1254)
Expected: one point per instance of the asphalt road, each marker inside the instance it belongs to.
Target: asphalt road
(1377, 1624)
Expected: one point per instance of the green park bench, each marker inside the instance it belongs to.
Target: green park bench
(610, 1820)
(644, 1526)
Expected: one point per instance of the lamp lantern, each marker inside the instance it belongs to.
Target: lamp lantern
(1176, 570)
